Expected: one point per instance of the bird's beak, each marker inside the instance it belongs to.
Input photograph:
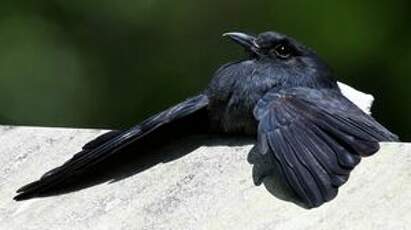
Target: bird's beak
(245, 40)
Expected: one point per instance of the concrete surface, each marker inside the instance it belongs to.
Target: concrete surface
(209, 188)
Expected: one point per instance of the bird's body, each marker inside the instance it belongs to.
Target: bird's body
(237, 87)
(285, 96)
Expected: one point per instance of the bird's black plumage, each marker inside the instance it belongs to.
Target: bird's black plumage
(285, 96)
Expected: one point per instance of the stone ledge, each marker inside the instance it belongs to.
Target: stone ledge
(211, 187)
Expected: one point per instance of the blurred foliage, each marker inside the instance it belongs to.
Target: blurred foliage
(89, 63)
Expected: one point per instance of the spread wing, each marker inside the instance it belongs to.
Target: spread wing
(316, 137)
(112, 143)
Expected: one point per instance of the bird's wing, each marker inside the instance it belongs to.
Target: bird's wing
(316, 137)
(109, 144)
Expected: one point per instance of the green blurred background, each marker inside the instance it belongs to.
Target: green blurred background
(109, 64)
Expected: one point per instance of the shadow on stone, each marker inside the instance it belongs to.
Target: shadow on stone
(266, 171)
(168, 147)
(140, 157)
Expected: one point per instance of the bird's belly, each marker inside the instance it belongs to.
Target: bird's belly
(240, 124)
(235, 115)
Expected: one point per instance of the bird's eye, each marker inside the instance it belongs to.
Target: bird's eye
(282, 50)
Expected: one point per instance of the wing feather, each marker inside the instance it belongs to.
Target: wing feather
(317, 137)
(107, 145)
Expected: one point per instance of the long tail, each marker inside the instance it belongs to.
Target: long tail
(112, 143)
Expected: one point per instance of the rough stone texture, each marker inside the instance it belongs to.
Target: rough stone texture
(209, 188)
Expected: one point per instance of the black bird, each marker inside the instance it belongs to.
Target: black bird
(283, 94)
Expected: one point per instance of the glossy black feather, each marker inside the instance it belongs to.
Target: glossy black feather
(101, 139)
(317, 137)
(108, 144)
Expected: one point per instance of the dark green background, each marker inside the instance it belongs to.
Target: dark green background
(108, 64)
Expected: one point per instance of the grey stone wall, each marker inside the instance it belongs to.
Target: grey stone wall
(209, 187)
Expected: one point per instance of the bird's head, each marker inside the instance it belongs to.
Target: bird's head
(283, 54)
(271, 45)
